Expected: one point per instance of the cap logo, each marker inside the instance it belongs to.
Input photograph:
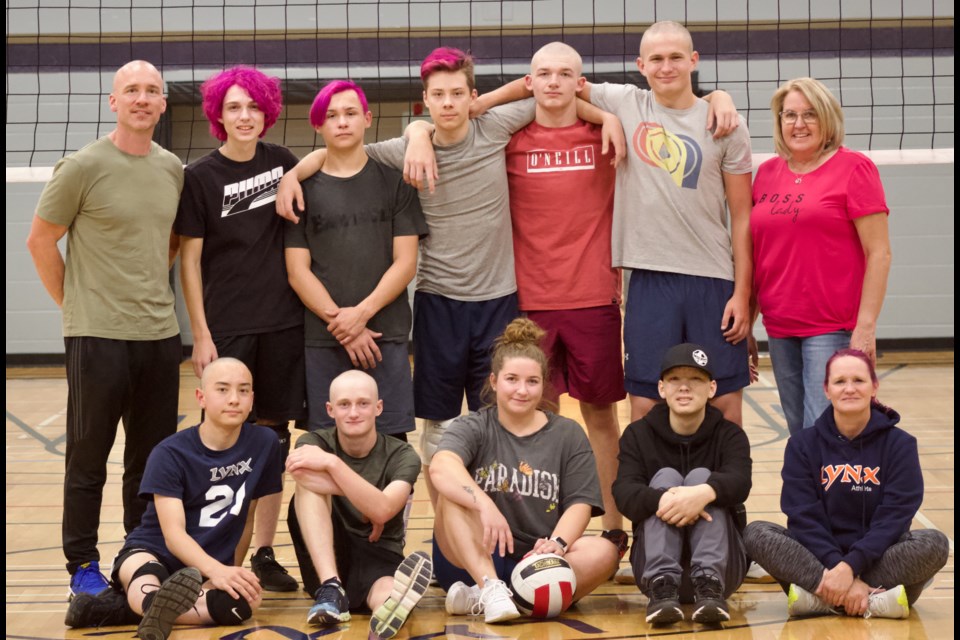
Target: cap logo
(699, 357)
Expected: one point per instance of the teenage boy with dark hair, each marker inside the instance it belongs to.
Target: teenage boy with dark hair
(183, 564)
(233, 273)
(346, 519)
(684, 474)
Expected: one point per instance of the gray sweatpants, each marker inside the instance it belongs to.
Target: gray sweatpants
(912, 561)
(714, 547)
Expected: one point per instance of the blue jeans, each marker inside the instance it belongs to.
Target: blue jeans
(799, 365)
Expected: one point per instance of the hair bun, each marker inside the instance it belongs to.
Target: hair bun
(522, 331)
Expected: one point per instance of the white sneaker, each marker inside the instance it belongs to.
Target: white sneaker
(758, 575)
(462, 599)
(803, 603)
(624, 575)
(496, 602)
(891, 603)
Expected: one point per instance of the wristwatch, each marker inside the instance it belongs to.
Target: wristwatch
(561, 542)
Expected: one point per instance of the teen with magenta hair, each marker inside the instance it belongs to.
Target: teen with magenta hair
(233, 273)
(851, 488)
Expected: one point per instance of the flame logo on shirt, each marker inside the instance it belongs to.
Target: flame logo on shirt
(678, 155)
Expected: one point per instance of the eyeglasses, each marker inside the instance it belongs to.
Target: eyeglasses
(809, 116)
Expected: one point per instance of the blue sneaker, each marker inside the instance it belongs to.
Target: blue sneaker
(88, 579)
(332, 605)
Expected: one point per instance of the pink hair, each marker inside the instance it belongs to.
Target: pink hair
(263, 89)
(447, 59)
(318, 111)
(863, 357)
(853, 353)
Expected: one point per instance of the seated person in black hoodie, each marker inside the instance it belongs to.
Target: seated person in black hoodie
(851, 488)
(684, 472)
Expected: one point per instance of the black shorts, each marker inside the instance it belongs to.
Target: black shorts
(359, 562)
(275, 360)
(122, 556)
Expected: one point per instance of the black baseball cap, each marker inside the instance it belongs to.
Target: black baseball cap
(686, 355)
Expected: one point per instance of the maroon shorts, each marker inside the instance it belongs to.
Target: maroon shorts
(584, 347)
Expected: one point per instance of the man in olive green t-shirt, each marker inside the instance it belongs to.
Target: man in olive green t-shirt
(116, 200)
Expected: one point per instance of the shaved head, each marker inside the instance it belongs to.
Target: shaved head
(353, 379)
(666, 27)
(220, 366)
(555, 50)
(132, 68)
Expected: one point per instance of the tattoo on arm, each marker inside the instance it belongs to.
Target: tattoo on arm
(470, 491)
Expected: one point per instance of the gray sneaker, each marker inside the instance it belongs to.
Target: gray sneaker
(410, 582)
(177, 595)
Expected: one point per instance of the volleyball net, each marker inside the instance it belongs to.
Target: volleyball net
(889, 62)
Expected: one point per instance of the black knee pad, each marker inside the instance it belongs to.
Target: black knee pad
(283, 435)
(225, 609)
(152, 568)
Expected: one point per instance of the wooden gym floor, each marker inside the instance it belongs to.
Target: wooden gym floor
(919, 386)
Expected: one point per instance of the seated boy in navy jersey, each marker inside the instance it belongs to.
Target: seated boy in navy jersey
(347, 522)
(202, 484)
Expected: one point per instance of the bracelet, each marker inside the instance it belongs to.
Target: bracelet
(560, 542)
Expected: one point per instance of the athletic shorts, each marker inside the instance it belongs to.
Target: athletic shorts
(583, 346)
(123, 555)
(452, 341)
(275, 358)
(359, 563)
(393, 382)
(666, 309)
(446, 573)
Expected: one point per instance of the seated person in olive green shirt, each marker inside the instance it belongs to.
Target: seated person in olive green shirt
(346, 520)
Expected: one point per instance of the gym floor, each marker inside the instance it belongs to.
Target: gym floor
(919, 385)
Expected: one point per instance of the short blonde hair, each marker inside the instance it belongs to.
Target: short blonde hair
(826, 106)
(667, 27)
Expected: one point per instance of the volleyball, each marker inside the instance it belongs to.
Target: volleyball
(543, 585)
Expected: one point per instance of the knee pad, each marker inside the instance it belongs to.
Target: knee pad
(226, 610)
(283, 435)
(152, 568)
(433, 431)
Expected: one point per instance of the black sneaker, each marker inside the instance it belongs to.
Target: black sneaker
(177, 595)
(619, 538)
(332, 605)
(664, 605)
(107, 608)
(272, 576)
(709, 605)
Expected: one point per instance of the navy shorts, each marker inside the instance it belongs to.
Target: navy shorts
(451, 350)
(446, 573)
(275, 359)
(666, 309)
(393, 382)
(123, 555)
